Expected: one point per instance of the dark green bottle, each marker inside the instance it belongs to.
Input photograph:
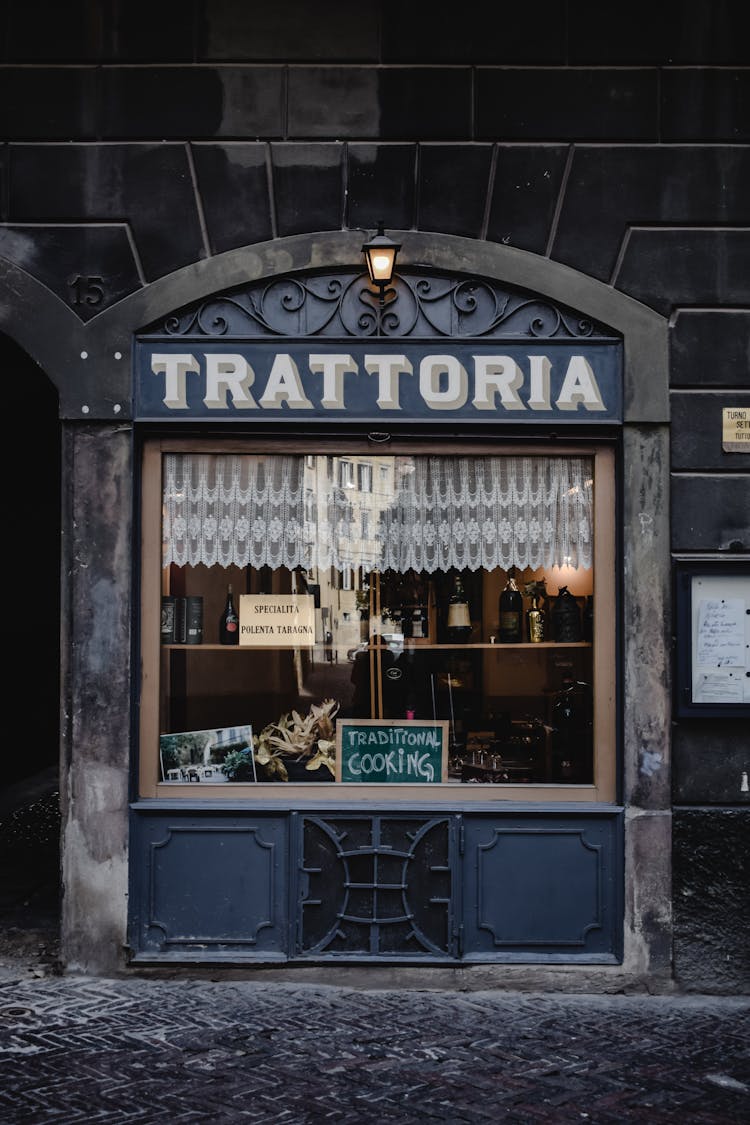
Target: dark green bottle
(229, 622)
(511, 612)
(458, 623)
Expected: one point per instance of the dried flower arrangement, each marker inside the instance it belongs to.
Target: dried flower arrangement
(309, 739)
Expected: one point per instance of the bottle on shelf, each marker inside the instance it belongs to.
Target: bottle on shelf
(418, 628)
(566, 617)
(193, 627)
(511, 611)
(536, 615)
(458, 622)
(168, 619)
(229, 622)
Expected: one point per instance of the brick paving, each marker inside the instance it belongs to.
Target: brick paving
(82, 1049)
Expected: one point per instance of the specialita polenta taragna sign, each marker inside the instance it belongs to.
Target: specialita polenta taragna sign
(280, 620)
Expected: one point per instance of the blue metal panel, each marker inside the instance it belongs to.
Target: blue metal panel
(542, 887)
(525, 885)
(210, 886)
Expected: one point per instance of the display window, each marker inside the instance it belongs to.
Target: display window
(434, 623)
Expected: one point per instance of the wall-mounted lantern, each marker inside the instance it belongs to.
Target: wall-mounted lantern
(380, 254)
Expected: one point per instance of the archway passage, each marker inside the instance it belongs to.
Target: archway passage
(29, 760)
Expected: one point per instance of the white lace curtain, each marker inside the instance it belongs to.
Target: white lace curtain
(424, 512)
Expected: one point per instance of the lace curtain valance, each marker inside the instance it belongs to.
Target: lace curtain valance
(424, 512)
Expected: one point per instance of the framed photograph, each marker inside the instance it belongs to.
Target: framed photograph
(712, 643)
(199, 755)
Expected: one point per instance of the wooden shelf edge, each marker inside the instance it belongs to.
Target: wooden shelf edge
(407, 646)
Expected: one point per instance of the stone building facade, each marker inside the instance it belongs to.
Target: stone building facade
(154, 155)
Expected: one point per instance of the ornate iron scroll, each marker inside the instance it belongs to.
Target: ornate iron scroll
(340, 305)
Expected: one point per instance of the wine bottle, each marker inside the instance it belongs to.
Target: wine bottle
(418, 623)
(535, 615)
(566, 617)
(458, 623)
(229, 622)
(511, 611)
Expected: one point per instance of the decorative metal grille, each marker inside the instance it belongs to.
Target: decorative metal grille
(377, 886)
(416, 304)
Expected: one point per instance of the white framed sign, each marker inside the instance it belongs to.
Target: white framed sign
(713, 653)
(277, 620)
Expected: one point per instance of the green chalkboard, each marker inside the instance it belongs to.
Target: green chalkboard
(392, 751)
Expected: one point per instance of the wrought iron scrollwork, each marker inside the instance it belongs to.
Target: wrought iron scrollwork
(416, 304)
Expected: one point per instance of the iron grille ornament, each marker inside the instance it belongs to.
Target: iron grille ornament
(415, 304)
(377, 886)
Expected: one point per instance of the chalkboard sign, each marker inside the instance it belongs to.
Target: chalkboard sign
(392, 751)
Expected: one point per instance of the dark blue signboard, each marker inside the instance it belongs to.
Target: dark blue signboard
(379, 380)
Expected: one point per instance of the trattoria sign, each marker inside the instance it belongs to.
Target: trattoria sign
(378, 380)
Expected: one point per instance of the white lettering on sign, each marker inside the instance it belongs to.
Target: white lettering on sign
(579, 386)
(333, 368)
(393, 752)
(539, 382)
(228, 374)
(394, 763)
(497, 375)
(404, 760)
(388, 368)
(443, 383)
(453, 394)
(285, 385)
(174, 368)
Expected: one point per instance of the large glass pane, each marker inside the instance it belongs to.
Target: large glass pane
(377, 549)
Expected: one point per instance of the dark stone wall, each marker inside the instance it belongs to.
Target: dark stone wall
(711, 877)
(136, 139)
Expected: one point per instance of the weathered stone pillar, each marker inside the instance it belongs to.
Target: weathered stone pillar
(646, 700)
(97, 546)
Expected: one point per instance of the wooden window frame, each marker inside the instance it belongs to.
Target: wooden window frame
(604, 787)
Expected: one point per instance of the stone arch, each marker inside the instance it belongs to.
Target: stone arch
(97, 384)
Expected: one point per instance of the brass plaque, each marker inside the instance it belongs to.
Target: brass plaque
(735, 429)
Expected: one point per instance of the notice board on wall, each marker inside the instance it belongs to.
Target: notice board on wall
(405, 751)
(713, 638)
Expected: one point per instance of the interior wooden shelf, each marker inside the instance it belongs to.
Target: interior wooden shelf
(421, 646)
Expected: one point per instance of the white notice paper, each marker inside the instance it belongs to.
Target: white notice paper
(718, 687)
(721, 633)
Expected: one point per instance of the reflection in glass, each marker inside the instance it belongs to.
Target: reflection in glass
(380, 543)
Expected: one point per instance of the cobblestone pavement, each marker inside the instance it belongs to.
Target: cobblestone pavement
(83, 1049)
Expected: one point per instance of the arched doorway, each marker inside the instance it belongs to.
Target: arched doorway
(29, 794)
